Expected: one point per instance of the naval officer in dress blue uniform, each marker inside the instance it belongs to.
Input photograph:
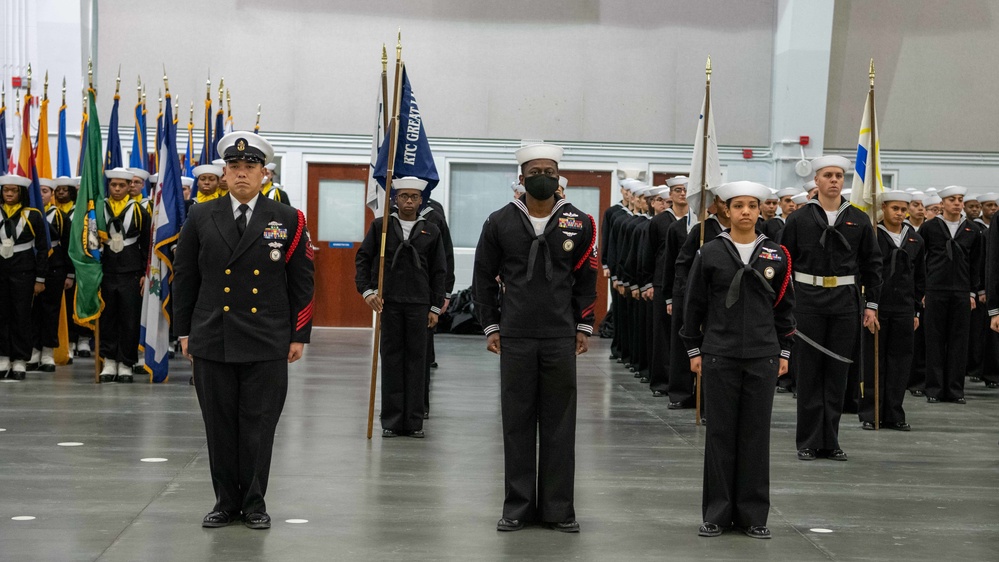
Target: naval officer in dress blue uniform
(243, 296)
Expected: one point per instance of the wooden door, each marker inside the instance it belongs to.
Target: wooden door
(338, 220)
(590, 191)
(659, 178)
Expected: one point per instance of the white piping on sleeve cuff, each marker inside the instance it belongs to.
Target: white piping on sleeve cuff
(490, 329)
(585, 328)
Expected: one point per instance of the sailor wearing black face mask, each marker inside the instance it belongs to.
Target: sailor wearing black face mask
(542, 248)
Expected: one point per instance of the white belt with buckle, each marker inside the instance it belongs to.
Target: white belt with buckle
(827, 282)
(9, 250)
(113, 244)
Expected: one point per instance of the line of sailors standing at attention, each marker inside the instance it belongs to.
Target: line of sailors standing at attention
(36, 272)
(919, 276)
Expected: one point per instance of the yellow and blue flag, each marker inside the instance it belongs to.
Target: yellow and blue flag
(867, 182)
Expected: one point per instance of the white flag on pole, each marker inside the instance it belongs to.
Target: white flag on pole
(712, 168)
(375, 195)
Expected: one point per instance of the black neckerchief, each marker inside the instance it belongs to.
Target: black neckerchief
(831, 228)
(404, 242)
(895, 252)
(539, 241)
(735, 287)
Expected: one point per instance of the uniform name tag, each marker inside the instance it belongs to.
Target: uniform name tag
(275, 233)
(569, 222)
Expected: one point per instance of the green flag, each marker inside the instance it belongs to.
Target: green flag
(89, 228)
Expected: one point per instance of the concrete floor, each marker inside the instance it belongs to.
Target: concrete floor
(926, 495)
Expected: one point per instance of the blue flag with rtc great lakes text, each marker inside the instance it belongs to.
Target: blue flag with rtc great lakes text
(412, 157)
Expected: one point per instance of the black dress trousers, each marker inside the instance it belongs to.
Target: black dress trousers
(430, 358)
(538, 401)
(822, 380)
(241, 404)
(977, 326)
(615, 312)
(681, 380)
(895, 350)
(404, 364)
(624, 324)
(917, 374)
(45, 311)
(948, 318)
(16, 289)
(659, 368)
(740, 395)
(121, 317)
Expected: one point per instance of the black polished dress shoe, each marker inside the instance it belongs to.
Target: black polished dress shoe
(426, 415)
(677, 406)
(960, 401)
(505, 524)
(190, 381)
(644, 380)
(898, 426)
(612, 356)
(867, 425)
(389, 433)
(637, 374)
(709, 530)
(932, 400)
(974, 379)
(782, 390)
(433, 365)
(47, 368)
(992, 384)
(257, 521)
(837, 455)
(124, 378)
(806, 454)
(566, 526)
(658, 393)
(32, 366)
(83, 353)
(17, 375)
(218, 519)
(916, 392)
(757, 532)
(418, 434)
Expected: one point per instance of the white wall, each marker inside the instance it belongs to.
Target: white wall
(935, 73)
(593, 70)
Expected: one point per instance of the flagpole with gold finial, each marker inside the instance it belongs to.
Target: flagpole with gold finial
(393, 135)
(875, 169)
(28, 95)
(256, 127)
(45, 87)
(385, 116)
(98, 360)
(704, 208)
